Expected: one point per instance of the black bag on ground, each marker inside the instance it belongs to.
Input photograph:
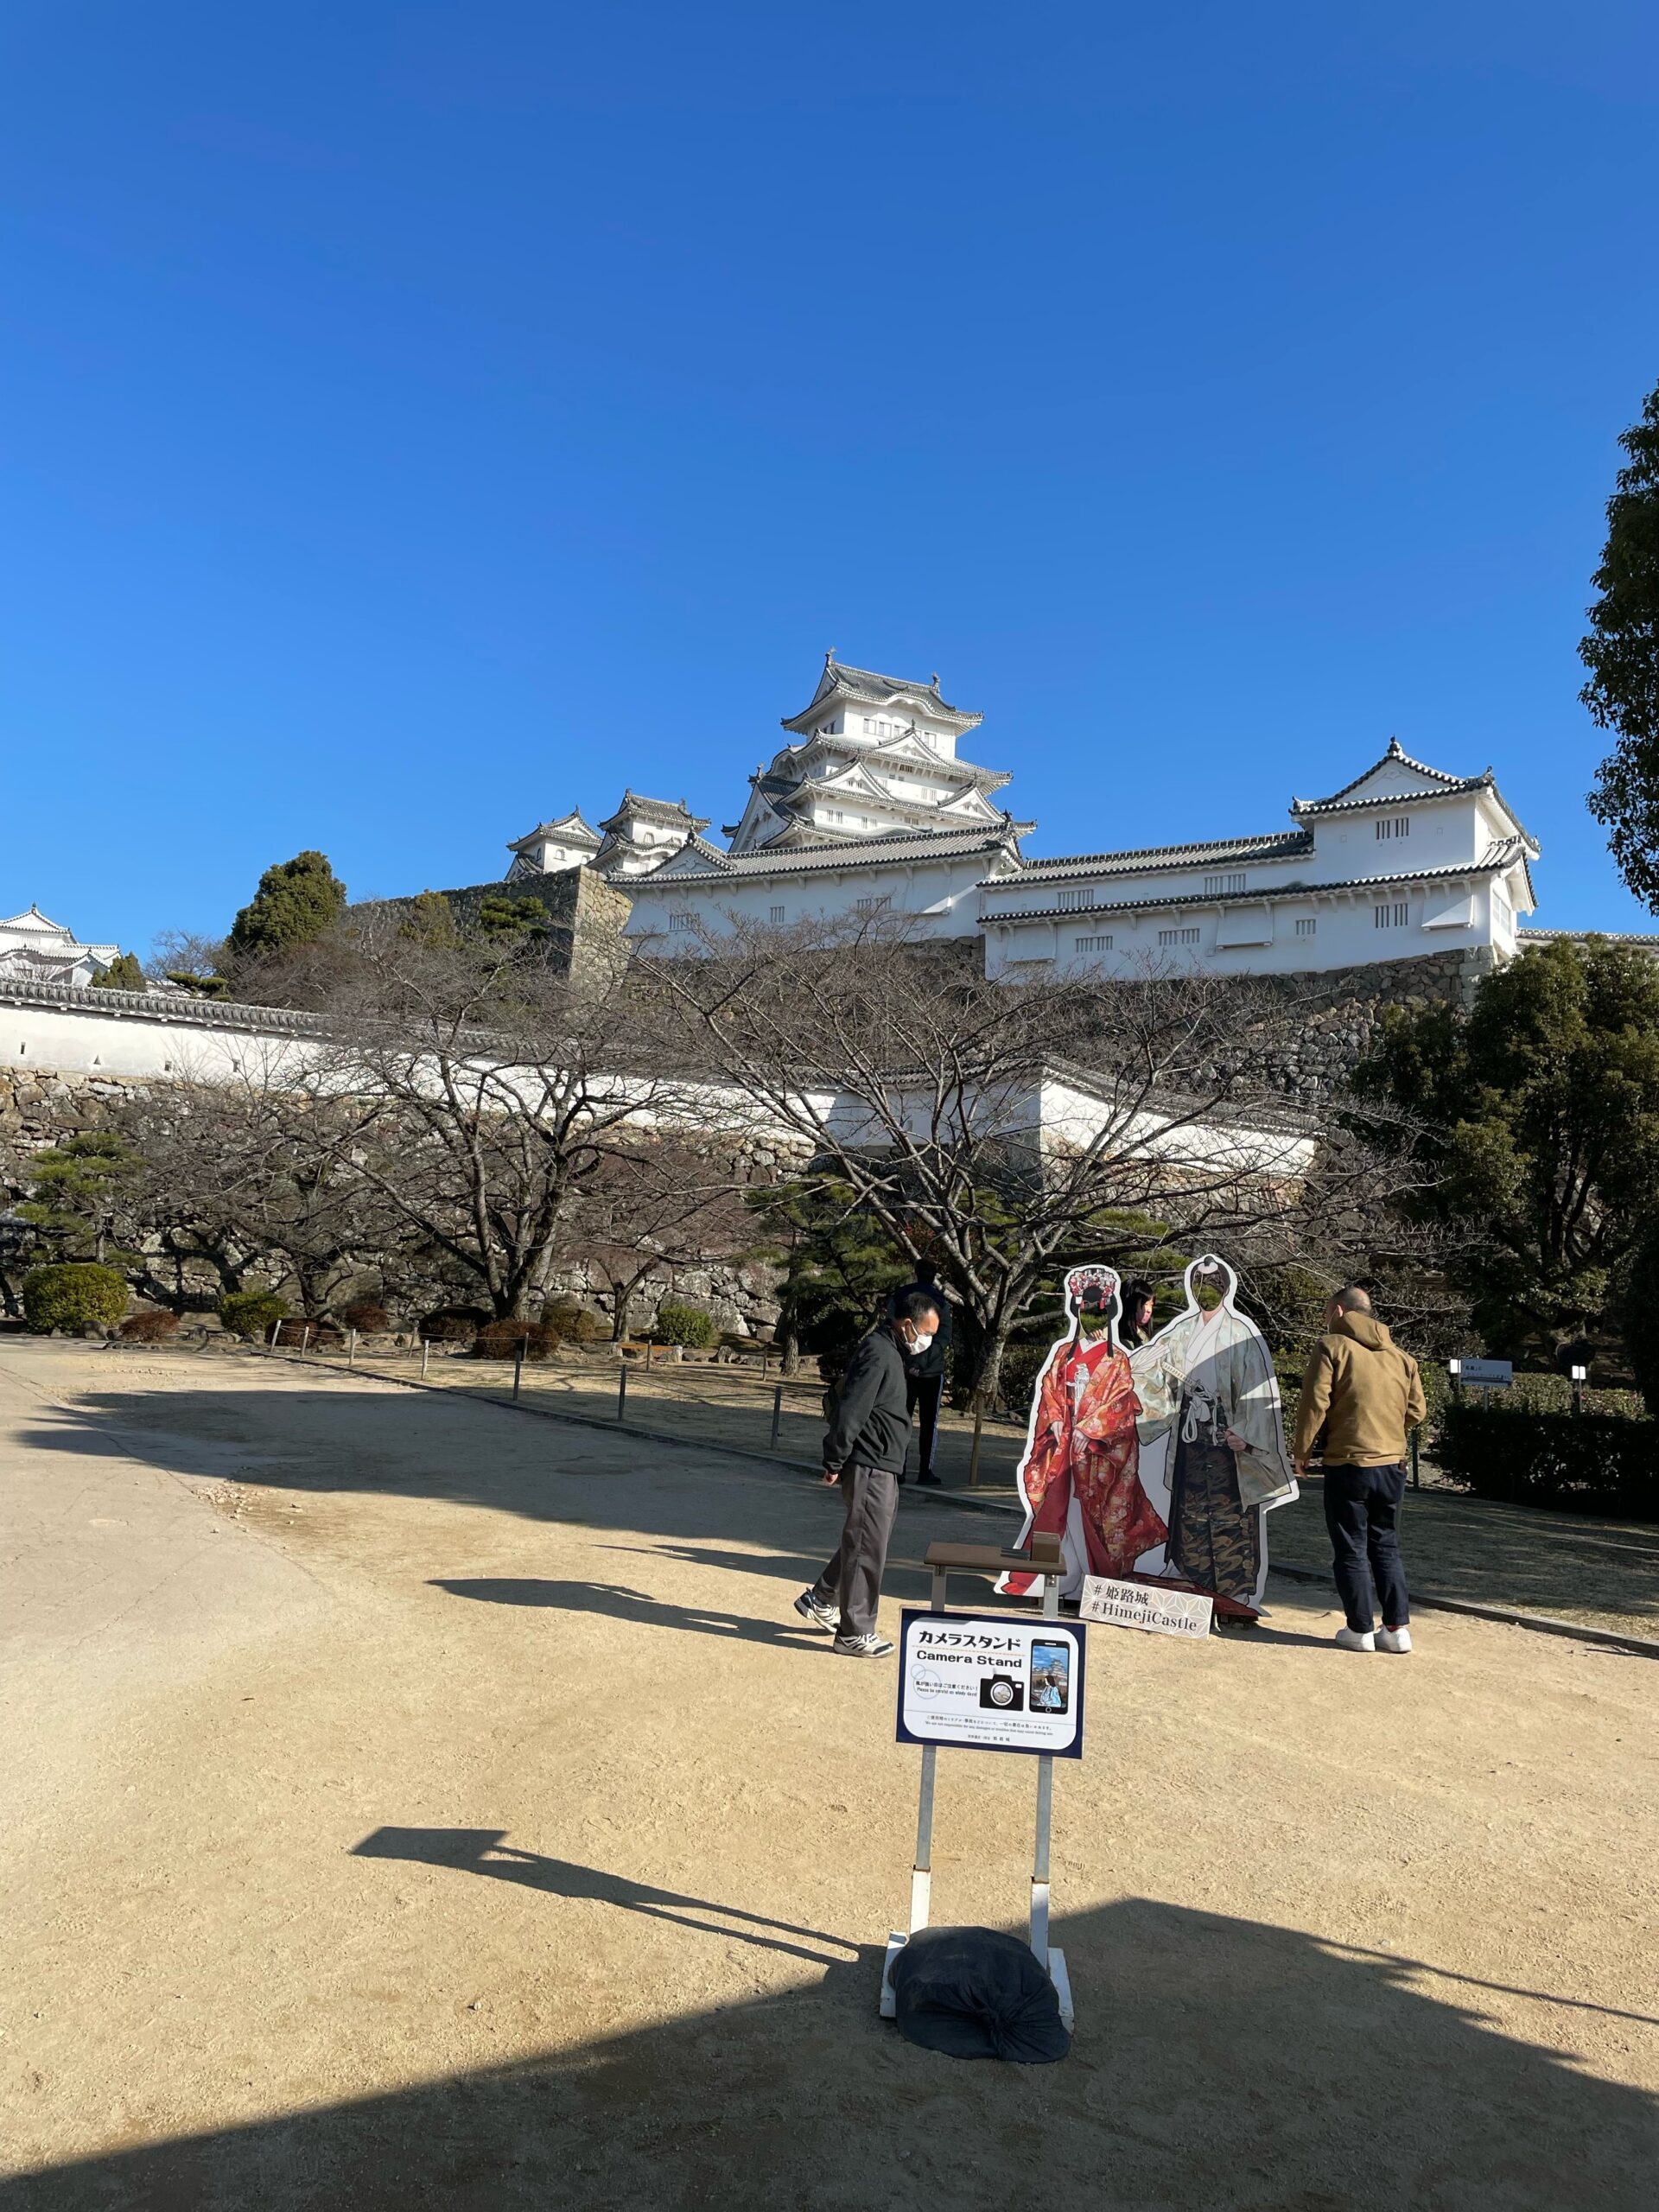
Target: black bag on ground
(974, 1993)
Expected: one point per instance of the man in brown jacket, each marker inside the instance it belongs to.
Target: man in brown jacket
(1366, 1394)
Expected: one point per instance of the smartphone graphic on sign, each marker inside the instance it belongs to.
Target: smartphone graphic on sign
(1051, 1677)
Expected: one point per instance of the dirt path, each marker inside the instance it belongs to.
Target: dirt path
(1568, 1565)
(427, 1806)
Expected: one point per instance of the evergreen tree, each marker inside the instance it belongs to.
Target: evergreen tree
(297, 902)
(1622, 653)
(1541, 1106)
(124, 973)
(499, 916)
(430, 921)
(81, 1196)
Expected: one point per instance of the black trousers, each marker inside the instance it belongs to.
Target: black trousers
(853, 1578)
(922, 1396)
(1361, 1511)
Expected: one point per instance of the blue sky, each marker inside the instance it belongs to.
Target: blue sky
(419, 419)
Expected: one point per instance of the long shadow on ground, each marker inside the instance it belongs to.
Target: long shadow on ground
(1221, 2065)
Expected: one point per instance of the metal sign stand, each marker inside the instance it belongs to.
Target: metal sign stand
(1044, 1559)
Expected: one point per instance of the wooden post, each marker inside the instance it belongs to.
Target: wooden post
(275, 1331)
(647, 1355)
(426, 1349)
(518, 1368)
(351, 1350)
(305, 1337)
(622, 1391)
(777, 1409)
(973, 1457)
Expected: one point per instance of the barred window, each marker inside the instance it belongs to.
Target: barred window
(1218, 887)
(1307, 926)
(1071, 901)
(678, 922)
(1393, 825)
(776, 914)
(1393, 914)
(1092, 945)
(1178, 937)
(876, 905)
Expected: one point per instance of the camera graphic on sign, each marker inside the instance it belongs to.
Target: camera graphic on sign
(1002, 1693)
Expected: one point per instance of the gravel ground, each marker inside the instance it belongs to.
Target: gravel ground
(412, 1804)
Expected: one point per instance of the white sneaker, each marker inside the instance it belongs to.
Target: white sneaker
(1350, 1639)
(1394, 1639)
(868, 1646)
(812, 1610)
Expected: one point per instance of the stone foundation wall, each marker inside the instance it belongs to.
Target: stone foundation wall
(1342, 1006)
(584, 913)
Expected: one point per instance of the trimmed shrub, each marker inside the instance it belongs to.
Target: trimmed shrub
(366, 1317)
(149, 1325)
(73, 1294)
(679, 1324)
(576, 1324)
(501, 1339)
(452, 1325)
(250, 1314)
(1575, 1463)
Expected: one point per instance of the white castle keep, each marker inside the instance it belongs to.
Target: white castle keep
(870, 809)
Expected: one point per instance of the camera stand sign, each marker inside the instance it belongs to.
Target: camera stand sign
(1005, 1683)
(997, 1684)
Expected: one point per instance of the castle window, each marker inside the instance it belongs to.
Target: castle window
(1393, 914)
(1307, 926)
(776, 916)
(1167, 937)
(1092, 945)
(874, 906)
(1218, 887)
(1393, 825)
(1071, 901)
(679, 922)
(1502, 913)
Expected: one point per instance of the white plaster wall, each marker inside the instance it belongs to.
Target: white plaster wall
(944, 893)
(91, 1040)
(1345, 935)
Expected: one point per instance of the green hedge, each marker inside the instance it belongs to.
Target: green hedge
(72, 1294)
(251, 1313)
(680, 1324)
(1577, 1462)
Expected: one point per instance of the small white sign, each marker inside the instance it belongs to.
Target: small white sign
(1487, 1373)
(994, 1684)
(1140, 1604)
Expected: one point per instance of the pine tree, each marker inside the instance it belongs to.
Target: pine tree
(297, 901)
(124, 973)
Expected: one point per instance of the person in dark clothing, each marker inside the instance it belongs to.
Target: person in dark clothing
(1135, 1322)
(864, 1452)
(924, 1376)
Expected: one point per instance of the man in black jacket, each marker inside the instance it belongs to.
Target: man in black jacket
(864, 1452)
(926, 1383)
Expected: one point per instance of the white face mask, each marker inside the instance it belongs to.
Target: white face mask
(921, 1343)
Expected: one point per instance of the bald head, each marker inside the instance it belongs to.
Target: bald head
(1352, 1301)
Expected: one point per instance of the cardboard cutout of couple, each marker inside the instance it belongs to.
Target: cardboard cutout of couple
(1164, 1461)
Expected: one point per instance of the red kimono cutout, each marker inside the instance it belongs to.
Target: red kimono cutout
(1084, 1445)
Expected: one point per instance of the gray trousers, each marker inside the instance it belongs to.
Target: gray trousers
(853, 1578)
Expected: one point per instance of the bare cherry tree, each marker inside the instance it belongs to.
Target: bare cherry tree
(1003, 1128)
(489, 1090)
